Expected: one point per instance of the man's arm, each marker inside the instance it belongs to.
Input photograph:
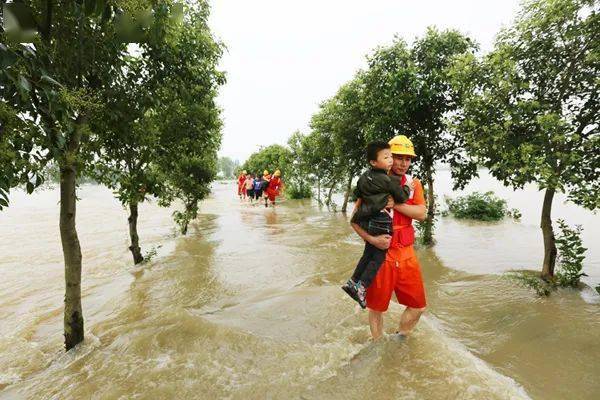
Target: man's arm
(382, 242)
(414, 211)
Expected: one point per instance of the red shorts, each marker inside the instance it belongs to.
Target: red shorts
(400, 273)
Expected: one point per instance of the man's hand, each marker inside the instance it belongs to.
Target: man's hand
(390, 203)
(382, 242)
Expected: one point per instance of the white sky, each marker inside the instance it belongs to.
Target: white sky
(284, 57)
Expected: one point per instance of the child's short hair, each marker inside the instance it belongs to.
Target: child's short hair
(375, 147)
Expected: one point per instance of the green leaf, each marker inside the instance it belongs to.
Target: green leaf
(7, 57)
(47, 79)
(24, 83)
(30, 187)
(19, 23)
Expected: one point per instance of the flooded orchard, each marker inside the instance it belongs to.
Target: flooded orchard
(248, 305)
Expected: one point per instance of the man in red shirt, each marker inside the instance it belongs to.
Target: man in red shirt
(241, 186)
(273, 188)
(400, 273)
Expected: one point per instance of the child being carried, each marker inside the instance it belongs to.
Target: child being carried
(374, 188)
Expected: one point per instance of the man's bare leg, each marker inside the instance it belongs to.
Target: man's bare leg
(376, 324)
(409, 319)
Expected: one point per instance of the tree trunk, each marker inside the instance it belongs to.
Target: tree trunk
(191, 212)
(548, 234)
(73, 318)
(135, 239)
(328, 201)
(347, 194)
(319, 190)
(428, 231)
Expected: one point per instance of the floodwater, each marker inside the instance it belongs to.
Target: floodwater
(248, 306)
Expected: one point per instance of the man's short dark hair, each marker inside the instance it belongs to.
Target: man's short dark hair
(374, 148)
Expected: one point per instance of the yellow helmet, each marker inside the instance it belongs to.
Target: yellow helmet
(265, 172)
(402, 145)
(277, 173)
(244, 172)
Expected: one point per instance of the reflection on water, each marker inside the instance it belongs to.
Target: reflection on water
(248, 305)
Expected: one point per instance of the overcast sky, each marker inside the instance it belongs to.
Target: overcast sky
(284, 57)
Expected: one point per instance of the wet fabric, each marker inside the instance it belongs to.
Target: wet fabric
(272, 190)
(241, 180)
(400, 274)
(404, 232)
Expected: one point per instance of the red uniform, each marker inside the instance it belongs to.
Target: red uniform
(273, 188)
(241, 186)
(400, 272)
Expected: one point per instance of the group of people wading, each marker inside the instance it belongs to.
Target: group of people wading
(257, 187)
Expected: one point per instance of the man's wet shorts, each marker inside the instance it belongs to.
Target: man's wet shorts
(400, 273)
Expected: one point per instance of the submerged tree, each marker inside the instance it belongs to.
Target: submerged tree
(127, 147)
(321, 150)
(172, 78)
(339, 138)
(300, 177)
(533, 113)
(188, 120)
(349, 132)
(77, 47)
(317, 155)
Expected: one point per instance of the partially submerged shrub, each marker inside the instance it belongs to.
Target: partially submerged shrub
(295, 191)
(570, 266)
(151, 254)
(532, 280)
(571, 254)
(479, 206)
(514, 213)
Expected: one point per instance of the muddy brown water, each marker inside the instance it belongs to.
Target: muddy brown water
(248, 306)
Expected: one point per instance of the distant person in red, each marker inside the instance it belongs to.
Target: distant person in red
(273, 188)
(241, 187)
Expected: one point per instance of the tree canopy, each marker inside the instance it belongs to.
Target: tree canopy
(532, 112)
